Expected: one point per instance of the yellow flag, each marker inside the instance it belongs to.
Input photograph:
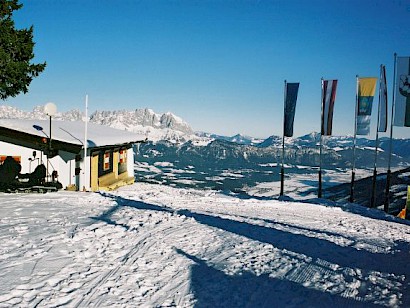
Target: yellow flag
(365, 95)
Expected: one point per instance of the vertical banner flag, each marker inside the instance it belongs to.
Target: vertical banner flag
(402, 98)
(328, 102)
(365, 95)
(383, 101)
(291, 93)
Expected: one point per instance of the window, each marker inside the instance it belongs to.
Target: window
(122, 161)
(16, 158)
(107, 160)
(123, 156)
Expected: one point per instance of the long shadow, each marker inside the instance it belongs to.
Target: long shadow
(396, 263)
(122, 202)
(213, 288)
(348, 257)
(352, 208)
(299, 228)
(245, 196)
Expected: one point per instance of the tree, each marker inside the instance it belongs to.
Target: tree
(16, 52)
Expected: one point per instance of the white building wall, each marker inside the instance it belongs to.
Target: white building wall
(130, 161)
(64, 163)
(61, 162)
(85, 179)
(27, 166)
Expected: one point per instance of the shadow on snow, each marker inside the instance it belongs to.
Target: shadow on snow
(318, 249)
(213, 288)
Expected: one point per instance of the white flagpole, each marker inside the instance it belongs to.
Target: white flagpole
(354, 141)
(373, 198)
(86, 179)
(388, 178)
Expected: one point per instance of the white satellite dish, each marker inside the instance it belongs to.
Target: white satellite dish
(50, 109)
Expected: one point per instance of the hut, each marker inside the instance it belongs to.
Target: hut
(79, 155)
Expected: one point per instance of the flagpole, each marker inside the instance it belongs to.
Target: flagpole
(388, 176)
(373, 198)
(354, 143)
(282, 170)
(86, 185)
(319, 194)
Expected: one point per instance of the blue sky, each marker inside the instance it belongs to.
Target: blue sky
(220, 65)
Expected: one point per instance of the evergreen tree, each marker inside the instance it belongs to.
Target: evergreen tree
(16, 52)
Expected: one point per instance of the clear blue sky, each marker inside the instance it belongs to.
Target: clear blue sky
(220, 65)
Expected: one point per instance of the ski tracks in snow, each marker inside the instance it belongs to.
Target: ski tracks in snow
(156, 246)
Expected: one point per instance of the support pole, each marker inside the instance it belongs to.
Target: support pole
(388, 176)
(319, 193)
(351, 199)
(282, 169)
(49, 153)
(86, 179)
(373, 198)
(49, 144)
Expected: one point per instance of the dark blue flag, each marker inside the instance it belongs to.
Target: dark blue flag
(291, 93)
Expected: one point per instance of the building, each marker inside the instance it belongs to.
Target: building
(107, 164)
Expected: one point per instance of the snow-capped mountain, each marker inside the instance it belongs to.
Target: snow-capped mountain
(166, 126)
(129, 120)
(238, 138)
(9, 112)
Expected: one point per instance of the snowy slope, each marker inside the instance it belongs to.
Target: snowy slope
(156, 246)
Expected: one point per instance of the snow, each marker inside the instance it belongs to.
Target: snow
(157, 246)
(73, 131)
(201, 141)
(305, 183)
(269, 165)
(232, 175)
(164, 164)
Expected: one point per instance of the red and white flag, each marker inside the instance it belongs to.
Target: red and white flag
(328, 102)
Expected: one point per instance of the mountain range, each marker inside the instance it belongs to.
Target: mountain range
(172, 139)
(166, 126)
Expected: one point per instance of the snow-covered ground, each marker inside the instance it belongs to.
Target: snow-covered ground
(296, 184)
(149, 245)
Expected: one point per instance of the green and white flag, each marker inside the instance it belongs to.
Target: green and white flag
(402, 98)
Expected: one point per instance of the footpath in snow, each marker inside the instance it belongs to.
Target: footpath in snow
(156, 246)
